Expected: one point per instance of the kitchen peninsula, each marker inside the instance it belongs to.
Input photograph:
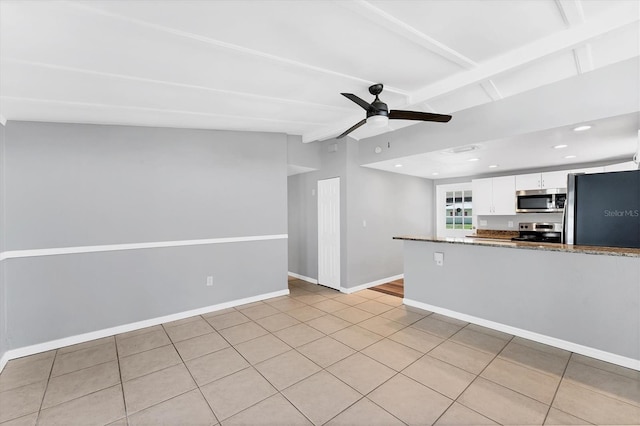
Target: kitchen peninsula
(582, 299)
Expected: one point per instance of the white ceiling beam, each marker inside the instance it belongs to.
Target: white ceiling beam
(268, 99)
(228, 46)
(148, 109)
(490, 89)
(583, 58)
(558, 42)
(571, 12)
(391, 23)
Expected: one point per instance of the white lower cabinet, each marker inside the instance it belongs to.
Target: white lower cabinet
(494, 196)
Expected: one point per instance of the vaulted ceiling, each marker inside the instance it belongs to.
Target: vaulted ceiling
(279, 66)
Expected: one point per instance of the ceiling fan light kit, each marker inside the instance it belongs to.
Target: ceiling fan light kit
(378, 114)
(378, 121)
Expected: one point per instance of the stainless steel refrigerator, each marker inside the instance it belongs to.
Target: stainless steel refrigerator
(603, 209)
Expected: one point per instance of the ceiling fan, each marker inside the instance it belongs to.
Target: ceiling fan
(378, 114)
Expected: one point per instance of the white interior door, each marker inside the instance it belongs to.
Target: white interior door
(329, 232)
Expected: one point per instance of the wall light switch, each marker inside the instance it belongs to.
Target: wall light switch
(438, 258)
(510, 224)
(364, 223)
(209, 281)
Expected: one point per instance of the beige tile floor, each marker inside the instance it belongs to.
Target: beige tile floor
(316, 357)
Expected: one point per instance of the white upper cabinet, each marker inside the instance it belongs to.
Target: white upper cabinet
(482, 190)
(542, 180)
(494, 196)
(504, 195)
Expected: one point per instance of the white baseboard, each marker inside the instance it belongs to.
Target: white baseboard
(303, 278)
(536, 337)
(3, 360)
(81, 338)
(365, 286)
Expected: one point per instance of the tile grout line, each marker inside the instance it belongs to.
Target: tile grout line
(260, 373)
(564, 371)
(363, 396)
(124, 401)
(475, 378)
(184, 363)
(55, 355)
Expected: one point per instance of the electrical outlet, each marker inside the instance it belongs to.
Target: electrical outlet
(209, 281)
(438, 258)
(510, 224)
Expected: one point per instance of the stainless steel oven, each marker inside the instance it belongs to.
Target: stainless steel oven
(541, 200)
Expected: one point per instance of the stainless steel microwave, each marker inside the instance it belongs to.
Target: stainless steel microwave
(541, 200)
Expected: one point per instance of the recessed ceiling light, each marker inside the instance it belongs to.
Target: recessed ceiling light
(398, 165)
(560, 146)
(569, 156)
(473, 159)
(435, 174)
(581, 128)
(493, 166)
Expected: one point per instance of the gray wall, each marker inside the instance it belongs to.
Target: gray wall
(81, 185)
(591, 300)
(391, 204)
(75, 185)
(303, 213)
(3, 297)
(303, 154)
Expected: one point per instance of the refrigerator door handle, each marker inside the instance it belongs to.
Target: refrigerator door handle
(569, 216)
(564, 228)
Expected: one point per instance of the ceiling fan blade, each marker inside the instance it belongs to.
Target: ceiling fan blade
(364, 104)
(421, 116)
(352, 128)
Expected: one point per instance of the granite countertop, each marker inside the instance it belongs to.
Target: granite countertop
(497, 242)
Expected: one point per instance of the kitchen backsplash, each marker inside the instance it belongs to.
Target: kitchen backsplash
(503, 222)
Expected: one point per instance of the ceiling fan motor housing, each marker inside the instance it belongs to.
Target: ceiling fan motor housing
(378, 108)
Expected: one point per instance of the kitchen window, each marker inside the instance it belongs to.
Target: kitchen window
(454, 210)
(458, 210)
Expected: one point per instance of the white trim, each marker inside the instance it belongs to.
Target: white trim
(303, 278)
(81, 338)
(134, 246)
(536, 337)
(365, 286)
(3, 360)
